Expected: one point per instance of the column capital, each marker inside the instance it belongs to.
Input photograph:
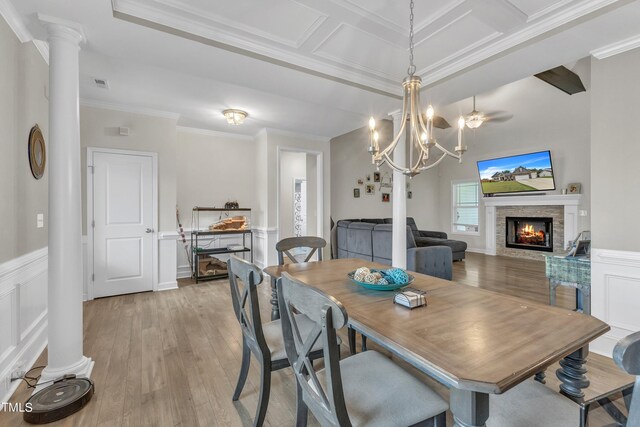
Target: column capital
(62, 29)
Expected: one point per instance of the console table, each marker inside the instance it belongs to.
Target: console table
(574, 272)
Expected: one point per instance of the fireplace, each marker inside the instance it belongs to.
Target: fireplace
(531, 233)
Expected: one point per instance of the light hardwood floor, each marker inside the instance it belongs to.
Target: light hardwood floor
(172, 358)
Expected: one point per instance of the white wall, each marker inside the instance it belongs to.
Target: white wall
(292, 165)
(350, 161)
(23, 247)
(544, 118)
(615, 149)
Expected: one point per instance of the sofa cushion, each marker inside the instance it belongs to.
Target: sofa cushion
(359, 240)
(373, 220)
(411, 223)
(455, 245)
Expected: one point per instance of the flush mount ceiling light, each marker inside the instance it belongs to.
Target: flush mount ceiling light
(235, 117)
(418, 126)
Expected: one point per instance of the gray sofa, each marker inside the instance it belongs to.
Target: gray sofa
(423, 238)
(372, 242)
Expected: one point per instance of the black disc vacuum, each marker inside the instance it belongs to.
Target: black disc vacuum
(59, 400)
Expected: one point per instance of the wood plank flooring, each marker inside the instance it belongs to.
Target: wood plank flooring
(172, 358)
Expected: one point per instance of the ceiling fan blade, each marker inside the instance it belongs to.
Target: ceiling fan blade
(440, 122)
(499, 118)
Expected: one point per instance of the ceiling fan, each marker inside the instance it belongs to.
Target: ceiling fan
(476, 118)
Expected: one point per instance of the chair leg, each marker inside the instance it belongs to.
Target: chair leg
(265, 390)
(244, 370)
(351, 333)
(302, 411)
(440, 420)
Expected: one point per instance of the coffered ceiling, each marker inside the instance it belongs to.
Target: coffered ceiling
(319, 67)
(363, 42)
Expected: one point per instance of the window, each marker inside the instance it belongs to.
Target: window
(466, 197)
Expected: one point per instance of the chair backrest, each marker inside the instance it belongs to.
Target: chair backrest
(284, 247)
(245, 301)
(325, 399)
(626, 354)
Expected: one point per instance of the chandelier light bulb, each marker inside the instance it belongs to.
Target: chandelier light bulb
(461, 122)
(430, 112)
(376, 136)
(423, 136)
(372, 123)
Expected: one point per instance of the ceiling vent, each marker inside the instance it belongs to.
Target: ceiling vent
(101, 83)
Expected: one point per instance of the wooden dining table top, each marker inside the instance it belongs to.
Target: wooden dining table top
(466, 337)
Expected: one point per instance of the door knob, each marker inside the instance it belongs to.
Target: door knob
(149, 230)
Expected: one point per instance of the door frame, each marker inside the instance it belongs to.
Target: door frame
(319, 187)
(89, 218)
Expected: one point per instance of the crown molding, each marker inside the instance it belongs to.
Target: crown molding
(519, 37)
(616, 48)
(94, 103)
(274, 131)
(14, 20)
(43, 48)
(208, 132)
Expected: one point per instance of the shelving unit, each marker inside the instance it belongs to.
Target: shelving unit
(200, 255)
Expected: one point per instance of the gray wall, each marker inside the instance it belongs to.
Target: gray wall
(213, 169)
(23, 84)
(544, 118)
(350, 161)
(615, 150)
(99, 128)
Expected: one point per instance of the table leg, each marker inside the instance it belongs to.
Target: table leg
(553, 286)
(275, 309)
(541, 377)
(469, 408)
(572, 374)
(585, 298)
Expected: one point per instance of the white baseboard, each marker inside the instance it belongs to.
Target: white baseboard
(166, 286)
(477, 250)
(23, 315)
(615, 292)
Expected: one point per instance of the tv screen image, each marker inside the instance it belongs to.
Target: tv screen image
(517, 174)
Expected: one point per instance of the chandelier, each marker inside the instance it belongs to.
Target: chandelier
(420, 127)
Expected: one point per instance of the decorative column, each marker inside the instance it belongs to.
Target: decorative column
(399, 234)
(65, 326)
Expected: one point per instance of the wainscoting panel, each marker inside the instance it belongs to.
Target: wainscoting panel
(167, 263)
(23, 315)
(264, 240)
(615, 295)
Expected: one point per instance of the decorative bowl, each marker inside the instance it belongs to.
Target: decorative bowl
(373, 286)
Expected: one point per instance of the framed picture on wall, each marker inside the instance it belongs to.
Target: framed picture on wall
(574, 188)
(376, 177)
(356, 193)
(360, 181)
(409, 194)
(370, 189)
(385, 197)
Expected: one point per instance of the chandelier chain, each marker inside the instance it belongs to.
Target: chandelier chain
(412, 68)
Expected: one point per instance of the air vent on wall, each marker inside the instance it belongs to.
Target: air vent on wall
(101, 83)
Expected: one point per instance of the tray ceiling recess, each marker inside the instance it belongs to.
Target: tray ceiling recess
(362, 42)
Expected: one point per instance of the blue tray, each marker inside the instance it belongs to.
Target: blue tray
(375, 287)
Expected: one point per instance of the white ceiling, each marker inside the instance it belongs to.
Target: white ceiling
(320, 67)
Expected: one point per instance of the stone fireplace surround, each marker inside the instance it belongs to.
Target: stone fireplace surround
(562, 208)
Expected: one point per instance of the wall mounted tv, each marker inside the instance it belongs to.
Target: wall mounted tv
(517, 174)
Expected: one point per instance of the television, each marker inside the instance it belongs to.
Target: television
(517, 174)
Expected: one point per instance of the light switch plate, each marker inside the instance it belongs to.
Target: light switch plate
(40, 220)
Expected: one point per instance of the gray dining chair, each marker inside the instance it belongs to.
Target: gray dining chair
(434, 261)
(284, 247)
(626, 354)
(365, 389)
(264, 340)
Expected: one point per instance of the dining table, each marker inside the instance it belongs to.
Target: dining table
(474, 341)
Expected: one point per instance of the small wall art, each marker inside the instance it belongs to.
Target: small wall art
(409, 194)
(368, 178)
(356, 193)
(370, 189)
(360, 181)
(376, 177)
(574, 188)
(385, 197)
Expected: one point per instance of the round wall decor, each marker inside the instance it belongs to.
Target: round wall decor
(37, 152)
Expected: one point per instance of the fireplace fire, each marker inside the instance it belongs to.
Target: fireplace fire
(530, 233)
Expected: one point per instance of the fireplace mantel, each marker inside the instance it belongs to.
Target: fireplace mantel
(569, 201)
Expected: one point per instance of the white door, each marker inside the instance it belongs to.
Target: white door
(123, 235)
